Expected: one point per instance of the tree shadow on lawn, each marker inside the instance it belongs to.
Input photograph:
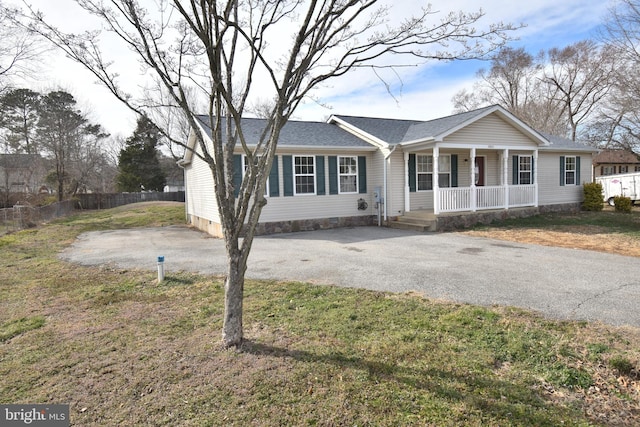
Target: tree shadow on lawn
(518, 403)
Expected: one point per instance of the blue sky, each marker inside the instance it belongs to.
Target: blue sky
(426, 93)
(423, 92)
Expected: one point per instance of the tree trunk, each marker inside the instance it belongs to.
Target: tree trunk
(60, 190)
(233, 295)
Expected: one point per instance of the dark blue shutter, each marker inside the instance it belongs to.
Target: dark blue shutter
(454, 170)
(333, 175)
(561, 171)
(577, 170)
(362, 174)
(320, 185)
(274, 179)
(412, 172)
(287, 175)
(515, 176)
(237, 174)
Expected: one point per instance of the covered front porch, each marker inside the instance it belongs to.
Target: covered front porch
(450, 179)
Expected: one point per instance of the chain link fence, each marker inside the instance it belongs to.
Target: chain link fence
(21, 216)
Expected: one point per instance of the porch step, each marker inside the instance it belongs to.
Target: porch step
(416, 221)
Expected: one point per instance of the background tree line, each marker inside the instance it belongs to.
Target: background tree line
(589, 90)
(51, 132)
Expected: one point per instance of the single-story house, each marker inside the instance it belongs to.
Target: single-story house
(612, 162)
(437, 174)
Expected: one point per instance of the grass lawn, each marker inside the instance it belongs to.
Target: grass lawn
(123, 350)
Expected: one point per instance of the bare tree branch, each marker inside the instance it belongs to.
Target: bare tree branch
(220, 50)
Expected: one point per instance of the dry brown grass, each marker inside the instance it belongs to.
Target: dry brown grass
(574, 237)
(606, 231)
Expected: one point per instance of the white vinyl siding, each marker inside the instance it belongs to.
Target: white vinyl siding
(322, 207)
(491, 130)
(199, 190)
(550, 192)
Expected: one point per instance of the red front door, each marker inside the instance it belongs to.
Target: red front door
(479, 172)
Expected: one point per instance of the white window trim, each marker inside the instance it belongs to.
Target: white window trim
(295, 175)
(440, 173)
(340, 174)
(245, 165)
(567, 171)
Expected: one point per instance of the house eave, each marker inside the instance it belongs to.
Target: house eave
(318, 148)
(367, 137)
(513, 120)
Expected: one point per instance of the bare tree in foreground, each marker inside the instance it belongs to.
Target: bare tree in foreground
(227, 49)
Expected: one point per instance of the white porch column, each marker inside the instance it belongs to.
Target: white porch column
(472, 166)
(535, 177)
(436, 180)
(505, 176)
(407, 192)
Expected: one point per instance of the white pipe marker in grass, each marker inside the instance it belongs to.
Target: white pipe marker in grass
(160, 269)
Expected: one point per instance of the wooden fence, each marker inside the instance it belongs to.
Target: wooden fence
(113, 200)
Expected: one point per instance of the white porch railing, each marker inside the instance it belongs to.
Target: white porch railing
(455, 199)
(522, 195)
(486, 197)
(490, 197)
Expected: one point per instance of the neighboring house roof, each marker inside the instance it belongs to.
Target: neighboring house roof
(298, 134)
(406, 132)
(19, 161)
(616, 157)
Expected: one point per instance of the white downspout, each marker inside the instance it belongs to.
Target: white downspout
(505, 176)
(472, 172)
(384, 179)
(407, 203)
(535, 177)
(436, 180)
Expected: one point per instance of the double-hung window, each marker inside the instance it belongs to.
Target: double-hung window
(525, 171)
(424, 171)
(348, 174)
(570, 170)
(245, 166)
(304, 174)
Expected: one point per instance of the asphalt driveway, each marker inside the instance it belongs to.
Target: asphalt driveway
(560, 283)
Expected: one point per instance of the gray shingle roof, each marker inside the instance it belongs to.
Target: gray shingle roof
(19, 161)
(398, 131)
(561, 143)
(298, 134)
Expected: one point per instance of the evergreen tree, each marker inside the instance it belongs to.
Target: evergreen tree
(66, 136)
(138, 164)
(19, 114)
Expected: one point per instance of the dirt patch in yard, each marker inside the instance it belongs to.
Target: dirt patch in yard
(591, 238)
